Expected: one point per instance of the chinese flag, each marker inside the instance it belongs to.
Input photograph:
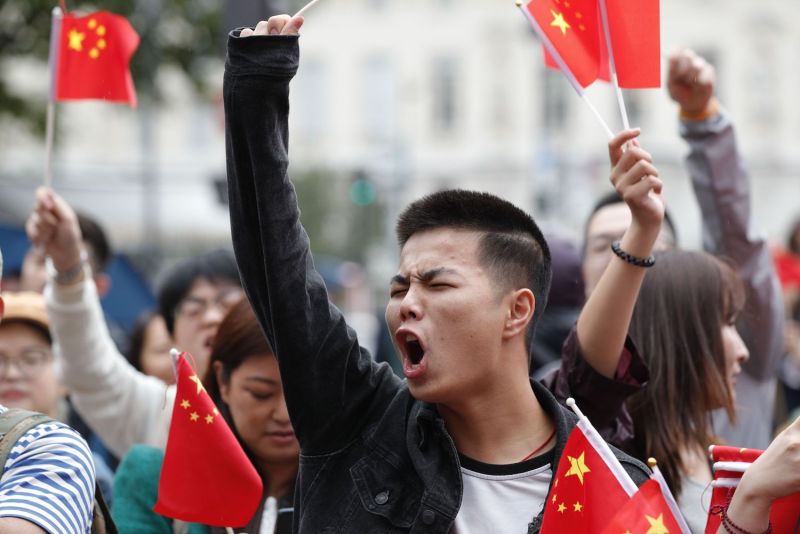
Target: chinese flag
(635, 29)
(647, 512)
(206, 477)
(730, 463)
(572, 29)
(93, 57)
(589, 487)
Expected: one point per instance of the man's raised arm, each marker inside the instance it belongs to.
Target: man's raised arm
(332, 386)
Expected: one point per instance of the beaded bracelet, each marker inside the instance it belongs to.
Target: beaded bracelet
(633, 260)
(728, 524)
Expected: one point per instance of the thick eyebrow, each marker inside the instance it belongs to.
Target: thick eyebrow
(426, 276)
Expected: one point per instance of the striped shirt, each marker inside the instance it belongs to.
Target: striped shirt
(49, 479)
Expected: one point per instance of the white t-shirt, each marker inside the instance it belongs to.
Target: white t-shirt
(502, 498)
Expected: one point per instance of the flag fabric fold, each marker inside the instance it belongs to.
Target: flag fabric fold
(575, 42)
(647, 512)
(94, 53)
(206, 476)
(590, 485)
(730, 463)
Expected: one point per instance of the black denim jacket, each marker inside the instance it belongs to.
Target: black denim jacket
(374, 459)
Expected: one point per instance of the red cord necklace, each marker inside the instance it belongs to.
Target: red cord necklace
(540, 447)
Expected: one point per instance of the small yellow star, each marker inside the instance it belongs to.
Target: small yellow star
(627, 532)
(196, 380)
(577, 506)
(185, 404)
(559, 22)
(101, 31)
(561, 508)
(554, 499)
(76, 40)
(101, 44)
(209, 419)
(656, 525)
(194, 416)
(93, 53)
(578, 15)
(92, 24)
(566, 4)
(577, 467)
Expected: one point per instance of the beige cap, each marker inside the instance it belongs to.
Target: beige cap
(26, 306)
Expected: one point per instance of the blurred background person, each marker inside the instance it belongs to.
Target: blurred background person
(123, 405)
(243, 380)
(150, 343)
(30, 371)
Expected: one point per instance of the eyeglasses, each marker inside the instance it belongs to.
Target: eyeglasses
(30, 362)
(194, 307)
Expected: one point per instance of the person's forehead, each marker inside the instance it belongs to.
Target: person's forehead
(611, 220)
(438, 247)
(19, 333)
(203, 287)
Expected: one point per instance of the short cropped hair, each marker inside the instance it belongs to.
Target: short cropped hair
(100, 251)
(215, 266)
(512, 246)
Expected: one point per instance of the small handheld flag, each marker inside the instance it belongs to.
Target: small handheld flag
(206, 477)
(94, 52)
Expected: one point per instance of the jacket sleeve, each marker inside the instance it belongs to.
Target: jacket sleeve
(722, 187)
(601, 399)
(121, 404)
(333, 387)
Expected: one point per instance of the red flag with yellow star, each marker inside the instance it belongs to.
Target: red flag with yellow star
(93, 57)
(590, 485)
(730, 463)
(570, 32)
(206, 476)
(634, 27)
(647, 512)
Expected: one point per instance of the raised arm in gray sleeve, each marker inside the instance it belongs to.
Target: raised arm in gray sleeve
(721, 184)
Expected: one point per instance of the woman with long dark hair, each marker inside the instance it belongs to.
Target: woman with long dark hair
(684, 326)
(244, 381)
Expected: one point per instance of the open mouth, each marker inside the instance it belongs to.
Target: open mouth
(414, 361)
(414, 350)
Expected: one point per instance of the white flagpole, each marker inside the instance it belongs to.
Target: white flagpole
(55, 41)
(305, 8)
(673, 505)
(563, 67)
(602, 448)
(612, 65)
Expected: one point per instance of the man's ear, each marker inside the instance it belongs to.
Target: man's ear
(521, 305)
(103, 283)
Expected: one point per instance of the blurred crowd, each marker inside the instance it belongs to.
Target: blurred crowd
(703, 348)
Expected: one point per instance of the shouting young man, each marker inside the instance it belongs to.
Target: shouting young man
(466, 443)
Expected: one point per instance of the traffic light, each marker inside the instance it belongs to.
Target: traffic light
(362, 190)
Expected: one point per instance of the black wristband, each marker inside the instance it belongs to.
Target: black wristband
(633, 260)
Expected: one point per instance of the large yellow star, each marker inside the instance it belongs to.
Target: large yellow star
(559, 22)
(577, 467)
(577, 506)
(196, 380)
(561, 507)
(76, 40)
(656, 525)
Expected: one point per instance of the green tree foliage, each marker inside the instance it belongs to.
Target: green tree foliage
(182, 33)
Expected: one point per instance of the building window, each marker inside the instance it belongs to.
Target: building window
(379, 97)
(554, 100)
(445, 72)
